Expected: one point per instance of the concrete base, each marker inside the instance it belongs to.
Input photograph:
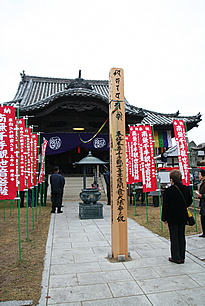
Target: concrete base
(90, 211)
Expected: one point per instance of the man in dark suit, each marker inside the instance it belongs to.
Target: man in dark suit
(57, 184)
(174, 212)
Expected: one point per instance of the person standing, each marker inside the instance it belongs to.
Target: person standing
(63, 179)
(174, 212)
(57, 184)
(107, 180)
(201, 196)
(22, 196)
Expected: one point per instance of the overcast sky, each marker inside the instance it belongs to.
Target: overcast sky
(160, 44)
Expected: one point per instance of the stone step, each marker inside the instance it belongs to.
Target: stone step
(73, 186)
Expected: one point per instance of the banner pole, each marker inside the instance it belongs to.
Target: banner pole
(32, 175)
(40, 198)
(40, 181)
(135, 202)
(26, 125)
(44, 183)
(192, 183)
(158, 186)
(37, 177)
(4, 210)
(146, 205)
(19, 214)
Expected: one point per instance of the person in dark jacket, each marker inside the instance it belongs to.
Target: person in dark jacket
(63, 179)
(57, 184)
(174, 212)
(201, 196)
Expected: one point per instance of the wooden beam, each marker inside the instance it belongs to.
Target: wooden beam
(118, 184)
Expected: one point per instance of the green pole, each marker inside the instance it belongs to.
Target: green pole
(146, 205)
(40, 179)
(4, 209)
(40, 198)
(18, 198)
(26, 125)
(32, 175)
(157, 174)
(40, 186)
(44, 182)
(44, 187)
(38, 162)
(135, 199)
(192, 183)
(10, 207)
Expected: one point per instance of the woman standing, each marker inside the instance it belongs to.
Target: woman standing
(201, 196)
(174, 213)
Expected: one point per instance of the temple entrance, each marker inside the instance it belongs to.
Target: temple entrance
(65, 161)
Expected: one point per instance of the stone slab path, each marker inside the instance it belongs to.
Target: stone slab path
(78, 273)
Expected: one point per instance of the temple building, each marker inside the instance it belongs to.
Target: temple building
(70, 112)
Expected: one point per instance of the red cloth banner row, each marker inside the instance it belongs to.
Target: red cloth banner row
(141, 157)
(22, 155)
(7, 153)
(13, 171)
(28, 153)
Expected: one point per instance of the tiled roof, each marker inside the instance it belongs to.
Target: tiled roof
(173, 152)
(33, 90)
(158, 119)
(37, 92)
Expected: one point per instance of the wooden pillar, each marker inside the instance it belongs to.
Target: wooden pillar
(118, 187)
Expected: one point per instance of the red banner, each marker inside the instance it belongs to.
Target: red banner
(43, 153)
(28, 148)
(149, 179)
(129, 178)
(135, 154)
(7, 153)
(35, 157)
(183, 157)
(22, 155)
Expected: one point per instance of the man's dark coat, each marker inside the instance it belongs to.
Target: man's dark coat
(174, 209)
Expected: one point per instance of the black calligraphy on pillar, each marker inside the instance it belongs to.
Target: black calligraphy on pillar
(120, 184)
(117, 72)
(117, 83)
(119, 115)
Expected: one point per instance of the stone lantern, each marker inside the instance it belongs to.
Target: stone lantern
(90, 208)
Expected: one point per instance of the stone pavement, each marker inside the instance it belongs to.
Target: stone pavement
(77, 272)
